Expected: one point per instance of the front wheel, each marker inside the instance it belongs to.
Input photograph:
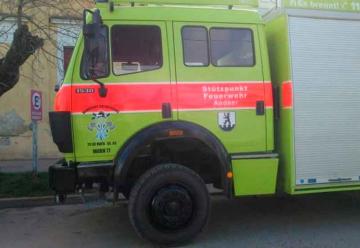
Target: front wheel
(169, 205)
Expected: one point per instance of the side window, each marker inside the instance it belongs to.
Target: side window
(136, 49)
(195, 45)
(232, 47)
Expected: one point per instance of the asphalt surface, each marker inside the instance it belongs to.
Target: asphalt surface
(314, 221)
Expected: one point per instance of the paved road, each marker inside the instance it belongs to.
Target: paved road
(326, 221)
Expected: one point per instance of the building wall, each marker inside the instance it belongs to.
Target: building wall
(41, 72)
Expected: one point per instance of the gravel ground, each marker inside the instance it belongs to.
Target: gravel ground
(331, 220)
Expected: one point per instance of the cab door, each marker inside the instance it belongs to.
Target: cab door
(220, 82)
(138, 85)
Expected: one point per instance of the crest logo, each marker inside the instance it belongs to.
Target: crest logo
(227, 120)
(101, 124)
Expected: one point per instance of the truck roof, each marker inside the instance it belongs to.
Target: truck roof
(180, 13)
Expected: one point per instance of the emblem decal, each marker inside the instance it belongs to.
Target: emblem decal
(227, 120)
(101, 124)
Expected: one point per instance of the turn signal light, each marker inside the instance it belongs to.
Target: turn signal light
(176, 133)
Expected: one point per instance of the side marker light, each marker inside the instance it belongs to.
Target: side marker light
(176, 133)
(229, 175)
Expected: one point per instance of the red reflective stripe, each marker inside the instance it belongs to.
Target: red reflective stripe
(287, 94)
(221, 95)
(269, 98)
(143, 97)
(122, 97)
(63, 99)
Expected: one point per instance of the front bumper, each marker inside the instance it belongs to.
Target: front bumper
(64, 179)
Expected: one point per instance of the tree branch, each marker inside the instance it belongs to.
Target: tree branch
(23, 46)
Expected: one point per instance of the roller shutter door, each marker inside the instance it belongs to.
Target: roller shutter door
(325, 58)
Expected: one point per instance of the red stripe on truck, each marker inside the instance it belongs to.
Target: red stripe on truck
(62, 102)
(148, 97)
(287, 94)
(221, 95)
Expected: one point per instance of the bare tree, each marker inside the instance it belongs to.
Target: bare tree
(25, 42)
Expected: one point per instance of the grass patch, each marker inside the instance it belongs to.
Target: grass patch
(24, 185)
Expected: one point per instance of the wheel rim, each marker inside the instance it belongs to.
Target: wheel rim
(171, 208)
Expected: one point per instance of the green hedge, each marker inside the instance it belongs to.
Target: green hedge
(24, 185)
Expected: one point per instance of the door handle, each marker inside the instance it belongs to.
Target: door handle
(166, 110)
(260, 108)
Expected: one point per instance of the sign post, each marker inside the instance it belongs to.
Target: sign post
(36, 115)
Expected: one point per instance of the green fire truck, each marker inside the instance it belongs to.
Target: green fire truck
(162, 98)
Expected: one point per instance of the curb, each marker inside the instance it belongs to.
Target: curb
(42, 201)
(28, 202)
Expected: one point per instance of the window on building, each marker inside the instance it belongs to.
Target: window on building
(67, 53)
(232, 47)
(67, 31)
(7, 29)
(136, 49)
(195, 45)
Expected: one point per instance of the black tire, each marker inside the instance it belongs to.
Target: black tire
(169, 205)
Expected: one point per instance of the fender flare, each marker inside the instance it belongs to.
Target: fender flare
(161, 130)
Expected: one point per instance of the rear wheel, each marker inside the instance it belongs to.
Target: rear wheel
(169, 205)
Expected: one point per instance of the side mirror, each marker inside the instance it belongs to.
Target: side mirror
(95, 43)
(91, 29)
(95, 62)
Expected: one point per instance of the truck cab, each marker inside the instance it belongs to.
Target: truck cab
(161, 99)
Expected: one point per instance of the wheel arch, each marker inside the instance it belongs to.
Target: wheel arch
(161, 131)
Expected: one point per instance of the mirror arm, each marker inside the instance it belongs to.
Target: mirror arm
(103, 90)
